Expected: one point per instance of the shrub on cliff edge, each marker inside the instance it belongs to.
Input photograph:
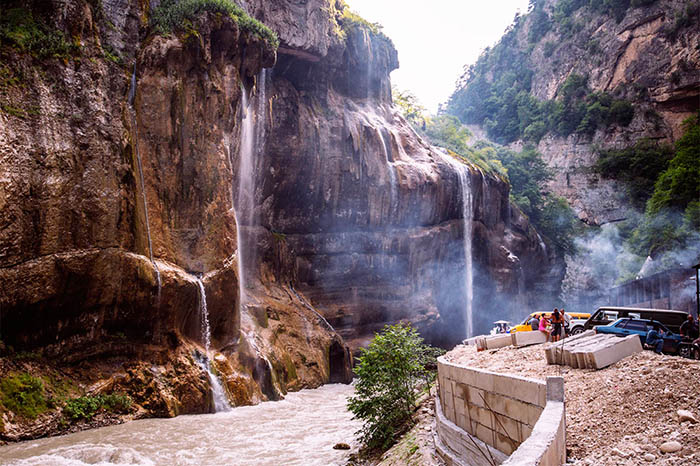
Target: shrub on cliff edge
(177, 14)
(388, 373)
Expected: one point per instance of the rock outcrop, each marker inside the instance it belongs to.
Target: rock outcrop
(118, 191)
(649, 58)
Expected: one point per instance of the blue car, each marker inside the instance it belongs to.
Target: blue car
(630, 326)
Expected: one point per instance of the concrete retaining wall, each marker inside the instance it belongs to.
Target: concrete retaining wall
(477, 408)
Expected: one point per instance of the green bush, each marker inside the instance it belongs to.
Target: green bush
(389, 372)
(672, 216)
(23, 394)
(638, 167)
(85, 407)
(172, 15)
(19, 29)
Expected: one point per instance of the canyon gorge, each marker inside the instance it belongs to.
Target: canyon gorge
(206, 198)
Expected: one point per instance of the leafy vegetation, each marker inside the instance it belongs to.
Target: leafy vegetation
(19, 29)
(525, 170)
(23, 394)
(85, 407)
(638, 167)
(349, 20)
(389, 373)
(672, 216)
(495, 92)
(172, 15)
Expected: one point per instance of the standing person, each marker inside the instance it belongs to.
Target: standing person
(567, 323)
(556, 325)
(543, 326)
(534, 322)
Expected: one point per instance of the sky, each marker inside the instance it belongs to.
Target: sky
(437, 38)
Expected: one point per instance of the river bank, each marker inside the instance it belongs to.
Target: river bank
(299, 430)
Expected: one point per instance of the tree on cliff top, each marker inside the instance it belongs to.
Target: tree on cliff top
(389, 372)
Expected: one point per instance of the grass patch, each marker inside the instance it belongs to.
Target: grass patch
(23, 394)
(85, 407)
(173, 15)
(20, 30)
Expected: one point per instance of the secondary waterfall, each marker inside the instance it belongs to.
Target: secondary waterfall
(465, 188)
(391, 168)
(252, 135)
(218, 392)
(134, 127)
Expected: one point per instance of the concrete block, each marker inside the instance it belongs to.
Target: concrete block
(528, 338)
(505, 444)
(498, 341)
(611, 354)
(518, 388)
(555, 389)
(484, 380)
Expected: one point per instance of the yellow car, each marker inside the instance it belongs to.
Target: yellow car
(575, 325)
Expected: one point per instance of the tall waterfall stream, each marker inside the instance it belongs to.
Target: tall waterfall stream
(299, 430)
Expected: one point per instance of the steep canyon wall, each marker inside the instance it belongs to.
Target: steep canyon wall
(358, 222)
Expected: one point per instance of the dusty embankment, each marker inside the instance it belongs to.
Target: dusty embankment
(619, 415)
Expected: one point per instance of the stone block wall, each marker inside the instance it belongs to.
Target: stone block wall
(479, 408)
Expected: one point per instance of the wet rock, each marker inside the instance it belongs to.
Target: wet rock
(649, 457)
(341, 446)
(670, 447)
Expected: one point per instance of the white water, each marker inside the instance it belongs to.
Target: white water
(132, 114)
(297, 431)
(465, 187)
(221, 402)
(252, 135)
(391, 168)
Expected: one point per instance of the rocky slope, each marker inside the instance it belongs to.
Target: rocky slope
(646, 54)
(118, 176)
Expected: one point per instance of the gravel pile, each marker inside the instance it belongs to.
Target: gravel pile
(625, 414)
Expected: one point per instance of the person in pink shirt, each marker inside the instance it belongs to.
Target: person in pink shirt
(543, 326)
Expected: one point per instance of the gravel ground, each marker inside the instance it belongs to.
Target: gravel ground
(619, 415)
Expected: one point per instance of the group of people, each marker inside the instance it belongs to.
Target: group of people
(559, 321)
(689, 331)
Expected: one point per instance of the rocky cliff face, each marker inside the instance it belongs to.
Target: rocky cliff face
(118, 187)
(650, 58)
(366, 216)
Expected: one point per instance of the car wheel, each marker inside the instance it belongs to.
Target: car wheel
(696, 353)
(576, 330)
(685, 351)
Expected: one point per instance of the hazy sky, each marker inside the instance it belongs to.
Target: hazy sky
(436, 38)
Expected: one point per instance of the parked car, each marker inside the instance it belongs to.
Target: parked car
(578, 319)
(630, 326)
(605, 315)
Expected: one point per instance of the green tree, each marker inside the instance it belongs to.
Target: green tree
(389, 372)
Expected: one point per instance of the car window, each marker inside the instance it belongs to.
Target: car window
(636, 325)
(620, 324)
(609, 315)
(634, 315)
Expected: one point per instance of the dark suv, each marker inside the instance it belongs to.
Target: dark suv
(608, 314)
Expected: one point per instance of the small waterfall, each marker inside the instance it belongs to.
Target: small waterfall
(392, 172)
(132, 114)
(467, 208)
(218, 391)
(252, 135)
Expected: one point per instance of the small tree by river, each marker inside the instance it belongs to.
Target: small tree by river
(390, 373)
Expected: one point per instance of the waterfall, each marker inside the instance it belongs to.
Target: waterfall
(134, 127)
(218, 391)
(465, 188)
(392, 172)
(252, 135)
